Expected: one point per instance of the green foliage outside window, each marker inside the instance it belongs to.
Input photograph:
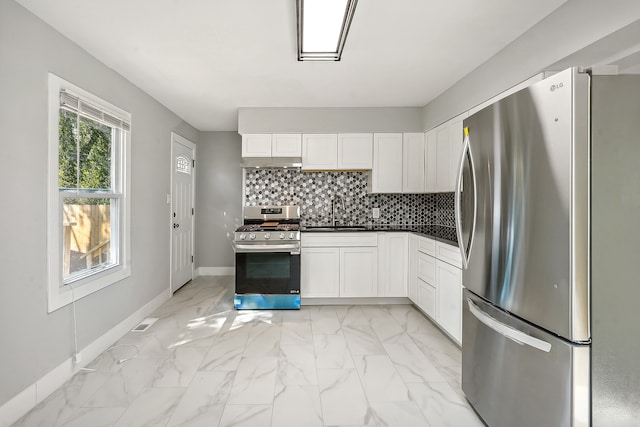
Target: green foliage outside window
(88, 143)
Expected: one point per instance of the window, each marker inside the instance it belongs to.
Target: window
(88, 185)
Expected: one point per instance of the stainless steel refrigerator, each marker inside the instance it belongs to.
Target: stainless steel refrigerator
(548, 216)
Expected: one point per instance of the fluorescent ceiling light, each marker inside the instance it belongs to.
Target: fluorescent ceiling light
(322, 28)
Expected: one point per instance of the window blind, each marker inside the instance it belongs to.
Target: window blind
(81, 107)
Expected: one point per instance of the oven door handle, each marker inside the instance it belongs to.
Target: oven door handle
(293, 249)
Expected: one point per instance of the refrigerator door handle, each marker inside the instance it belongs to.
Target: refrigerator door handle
(507, 331)
(465, 252)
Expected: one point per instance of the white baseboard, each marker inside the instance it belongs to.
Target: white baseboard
(353, 300)
(215, 271)
(27, 399)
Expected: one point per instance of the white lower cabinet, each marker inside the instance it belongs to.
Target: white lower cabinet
(449, 299)
(339, 265)
(412, 279)
(358, 275)
(427, 298)
(393, 254)
(439, 284)
(320, 272)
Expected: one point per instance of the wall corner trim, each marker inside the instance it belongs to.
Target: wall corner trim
(23, 402)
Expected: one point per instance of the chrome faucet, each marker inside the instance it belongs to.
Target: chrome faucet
(334, 202)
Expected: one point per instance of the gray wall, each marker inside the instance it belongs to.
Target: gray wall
(330, 120)
(571, 28)
(218, 197)
(32, 341)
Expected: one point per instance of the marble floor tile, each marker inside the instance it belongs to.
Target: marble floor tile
(226, 351)
(206, 364)
(442, 406)
(296, 406)
(362, 340)
(255, 381)
(246, 416)
(296, 333)
(297, 365)
(203, 402)
(264, 340)
(94, 417)
(342, 397)
(332, 352)
(439, 349)
(411, 362)
(381, 381)
(178, 370)
(153, 407)
(398, 414)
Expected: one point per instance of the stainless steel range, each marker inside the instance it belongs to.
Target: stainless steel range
(267, 251)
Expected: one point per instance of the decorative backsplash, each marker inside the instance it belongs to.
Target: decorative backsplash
(315, 191)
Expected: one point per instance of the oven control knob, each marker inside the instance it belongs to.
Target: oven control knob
(291, 235)
(267, 236)
(243, 236)
(282, 235)
(252, 236)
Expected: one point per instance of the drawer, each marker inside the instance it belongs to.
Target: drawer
(335, 239)
(449, 253)
(427, 298)
(427, 268)
(427, 245)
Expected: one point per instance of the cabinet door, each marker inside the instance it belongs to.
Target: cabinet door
(427, 268)
(355, 151)
(392, 264)
(413, 268)
(386, 175)
(320, 151)
(449, 299)
(286, 145)
(320, 272)
(427, 298)
(456, 141)
(443, 159)
(358, 272)
(431, 161)
(256, 145)
(413, 163)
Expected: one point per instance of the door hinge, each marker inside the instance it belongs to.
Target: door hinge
(193, 162)
(191, 258)
(192, 211)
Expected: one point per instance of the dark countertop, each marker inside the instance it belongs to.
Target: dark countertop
(440, 233)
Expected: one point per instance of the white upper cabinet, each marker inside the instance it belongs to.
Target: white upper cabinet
(355, 151)
(272, 145)
(442, 155)
(286, 145)
(413, 164)
(386, 175)
(256, 145)
(320, 151)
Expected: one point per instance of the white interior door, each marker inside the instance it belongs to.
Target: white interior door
(182, 210)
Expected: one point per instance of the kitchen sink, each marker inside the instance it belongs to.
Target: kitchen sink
(336, 228)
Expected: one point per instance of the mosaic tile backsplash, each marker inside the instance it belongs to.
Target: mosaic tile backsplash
(315, 191)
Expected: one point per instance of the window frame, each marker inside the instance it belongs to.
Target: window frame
(59, 292)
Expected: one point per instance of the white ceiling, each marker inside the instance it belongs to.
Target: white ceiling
(203, 59)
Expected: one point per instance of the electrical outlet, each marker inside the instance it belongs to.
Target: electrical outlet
(375, 213)
(77, 358)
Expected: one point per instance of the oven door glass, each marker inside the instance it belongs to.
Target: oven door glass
(267, 273)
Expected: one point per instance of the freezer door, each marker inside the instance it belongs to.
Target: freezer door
(522, 205)
(515, 374)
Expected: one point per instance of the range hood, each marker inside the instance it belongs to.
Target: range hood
(272, 162)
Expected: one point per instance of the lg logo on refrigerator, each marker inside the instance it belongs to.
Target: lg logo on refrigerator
(554, 87)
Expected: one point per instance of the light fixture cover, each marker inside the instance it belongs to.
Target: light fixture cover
(322, 28)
